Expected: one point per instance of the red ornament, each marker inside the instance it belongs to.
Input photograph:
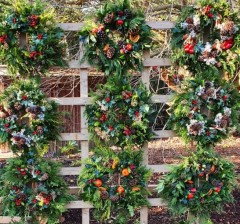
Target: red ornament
(18, 202)
(120, 22)
(33, 54)
(24, 97)
(190, 196)
(40, 36)
(108, 99)
(217, 189)
(129, 47)
(98, 183)
(194, 102)
(189, 48)
(227, 44)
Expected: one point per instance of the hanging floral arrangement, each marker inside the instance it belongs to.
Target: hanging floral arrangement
(116, 37)
(115, 183)
(32, 189)
(206, 37)
(120, 113)
(201, 184)
(30, 42)
(27, 119)
(205, 112)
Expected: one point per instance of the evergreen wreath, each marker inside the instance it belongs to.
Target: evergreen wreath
(116, 37)
(120, 113)
(27, 119)
(115, 183)
(207, 36)
(201, 184)
(43, 47)
(205, 112)
(32, 189)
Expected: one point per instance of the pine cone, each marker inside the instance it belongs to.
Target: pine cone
(190, 27)
(133, 182)
(18, 106)
(110, 52)
(228, 29)
(109, 18)
(197, 29)
(114, 198)
(210, 92)
(224, 122)
(195, 128)
(121, 44)
(204, 96)
(44, 177)
(104, 195)
(40, 130)
(207, 84)
(102, 36)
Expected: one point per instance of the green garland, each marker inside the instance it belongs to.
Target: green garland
(115, 183)
(31, 188)
(116, 37)
(199, 185)
(207, 37)
(205, 112)
(120, 113)
(27, 119)
(43, 48)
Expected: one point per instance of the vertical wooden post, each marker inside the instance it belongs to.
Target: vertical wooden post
(146, 80)
(84, 129)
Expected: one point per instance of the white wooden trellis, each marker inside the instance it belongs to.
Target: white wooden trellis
(83, 136)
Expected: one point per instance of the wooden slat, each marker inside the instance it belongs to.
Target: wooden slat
(74, 136)
(68, 171)
(163, 168)
(72, 100)
(158, 25)
(149, 62)
(164, 134)
(161, 98)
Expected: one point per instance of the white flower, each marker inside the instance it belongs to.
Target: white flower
(196, 20)
(227, 111)
(103, 107)
(184, 25)
(208, 47)
(218, 119)
(201, 90)
(193, 34)
(210, 61)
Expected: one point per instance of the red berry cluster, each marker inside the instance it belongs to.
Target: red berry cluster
(33, 20)
(3, 39)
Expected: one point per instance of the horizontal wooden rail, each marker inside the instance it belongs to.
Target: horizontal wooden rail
(156, 25)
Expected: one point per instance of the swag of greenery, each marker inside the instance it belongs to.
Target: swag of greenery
(32, 189)
(120, 113)
(207, 37)
(27, 119)
(115, 183)
(116, 37)
(205, 111)
(201, 184)
(30, 42)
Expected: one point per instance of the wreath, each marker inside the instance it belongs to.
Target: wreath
(27, 119)
(207, 37)
(32, 189)
(115, 184)
(30, 42)
(120, 113)
(199, 185)
(205, 112)
(116, 37)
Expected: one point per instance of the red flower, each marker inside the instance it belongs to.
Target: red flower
(33, 54)
(3, 39)
(132, 167)
(217, 189)
(24, 97)
(108, 99)
(225, 97)
(127, 131)
(23, 172)
(137, 113)
(34, 17)
(18, 202)
(194, 102)
(103, 118)
(190, 196)
(46, 201)
(34, 201)
(38, 172)
(189, 48)
(40, 36)
(227, 44)
(110, 128)
(6, 125)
